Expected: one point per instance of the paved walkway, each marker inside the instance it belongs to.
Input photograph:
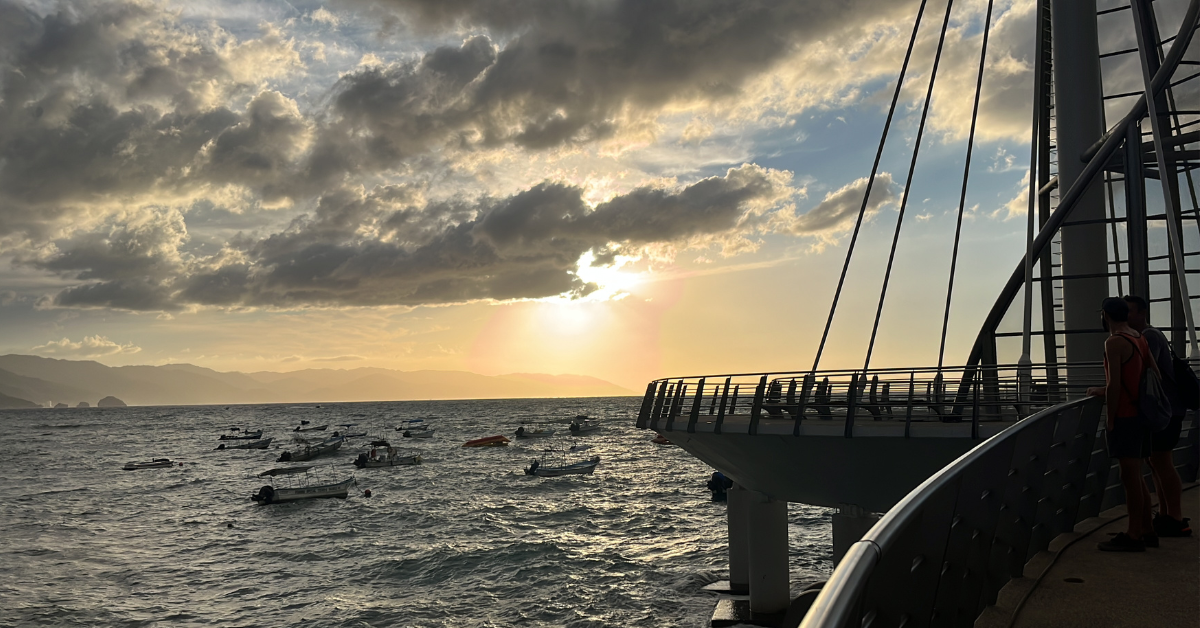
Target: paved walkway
(1086, 588)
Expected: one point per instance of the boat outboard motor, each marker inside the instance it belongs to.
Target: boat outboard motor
(265, 495)
(521, 430)
(361, 461)
(286, 456)
(533, 467)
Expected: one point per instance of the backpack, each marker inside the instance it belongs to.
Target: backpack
(1187, 387)
(1154, 409)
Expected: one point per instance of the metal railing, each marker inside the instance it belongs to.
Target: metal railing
(949, 394)
(941, 555)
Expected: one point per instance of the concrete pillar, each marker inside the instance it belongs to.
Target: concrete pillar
(737, 511)
(850, 523)
(1080, 123)
(770, 589)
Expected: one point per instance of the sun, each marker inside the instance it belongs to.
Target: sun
(613, 282)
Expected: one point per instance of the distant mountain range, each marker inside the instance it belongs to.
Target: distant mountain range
(31, 381)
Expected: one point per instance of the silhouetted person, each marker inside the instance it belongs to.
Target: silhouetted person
(1125, 357)
(1168, 486)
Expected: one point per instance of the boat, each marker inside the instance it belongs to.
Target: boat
(382, 454)
(309, 452)
(583, 425)
(415, 428)
(555, 464)
(348, 434)
(243, 435)
(498, 440)
(157, 463)
(300, 486)
(661, 440)
(254, 444)
(537, 432)
(318, 428)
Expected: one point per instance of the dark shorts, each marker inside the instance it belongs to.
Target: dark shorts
(1128, 439)
(1168, 437)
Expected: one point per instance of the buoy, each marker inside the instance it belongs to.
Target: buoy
(181, 464)
(230, 525)
(367, 493)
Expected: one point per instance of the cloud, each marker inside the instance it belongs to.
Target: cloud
(90, 346)
(839, 209)
(340, 358)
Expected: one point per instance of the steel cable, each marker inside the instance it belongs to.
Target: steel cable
(912, 166)
(887, 125)
(962, 197)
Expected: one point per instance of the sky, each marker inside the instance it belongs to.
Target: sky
(626, 189)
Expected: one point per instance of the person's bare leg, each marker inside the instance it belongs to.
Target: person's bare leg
(1135, 490)
(1168, 485)
(1147, 511)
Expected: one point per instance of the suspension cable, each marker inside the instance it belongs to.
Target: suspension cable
(887, 125)
(962, 197)
(912, 166)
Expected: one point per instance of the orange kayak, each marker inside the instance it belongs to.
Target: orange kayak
(498, 440)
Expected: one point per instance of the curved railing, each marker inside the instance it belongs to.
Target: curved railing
(949, 546)
(1006, 392)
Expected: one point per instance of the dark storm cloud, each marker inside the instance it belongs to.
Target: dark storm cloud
(370, 249)
(567, 72)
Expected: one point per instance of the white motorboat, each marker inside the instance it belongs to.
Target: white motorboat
(582, 425)
(293, 483)
(554, 464)
(536, 432)
(309, 452)
(382, 454)
(415, 428)
(157, 463)
(254, 444)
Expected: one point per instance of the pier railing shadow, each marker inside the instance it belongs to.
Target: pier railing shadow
(941, 555)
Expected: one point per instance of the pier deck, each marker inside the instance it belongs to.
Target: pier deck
(1084, 587)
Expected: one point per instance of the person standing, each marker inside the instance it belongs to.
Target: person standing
(1167, 485)
(1125, 356)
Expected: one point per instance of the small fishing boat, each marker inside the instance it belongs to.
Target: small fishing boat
(661, 440)
(157, 463)
(242, 435)
(348, 433)
(537, 432)
(498, 440)
(318, 428)
(382, 454)
(554, 464)
(292, 483)
(583, 425)
(415, 428)
(309, 452)
(254, 444)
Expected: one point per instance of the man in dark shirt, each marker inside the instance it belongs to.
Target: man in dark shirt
(1167, 485)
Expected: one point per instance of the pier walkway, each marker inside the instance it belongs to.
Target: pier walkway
(1072, 584)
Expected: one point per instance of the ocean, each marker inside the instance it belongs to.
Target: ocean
(465, 539)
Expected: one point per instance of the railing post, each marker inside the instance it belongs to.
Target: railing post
(647, 406)
(804, 390)
(695, 416)
(677, 406)
(912, 390)
(721, 413)
(851, 402)
(733, 402)
(756, 406)
(975, 406)
(659, 404)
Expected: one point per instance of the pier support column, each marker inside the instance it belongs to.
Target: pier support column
(850, 523)
(770, 590)
(737, 511)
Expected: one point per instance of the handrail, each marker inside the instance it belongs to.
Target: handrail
(943, 532)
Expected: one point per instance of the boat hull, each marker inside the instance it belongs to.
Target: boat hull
(258, 444)
(308, 453)
(251, 436)
(398, 461)
(490, 441)
(339, 490)
(157, 464)
(582, 468)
